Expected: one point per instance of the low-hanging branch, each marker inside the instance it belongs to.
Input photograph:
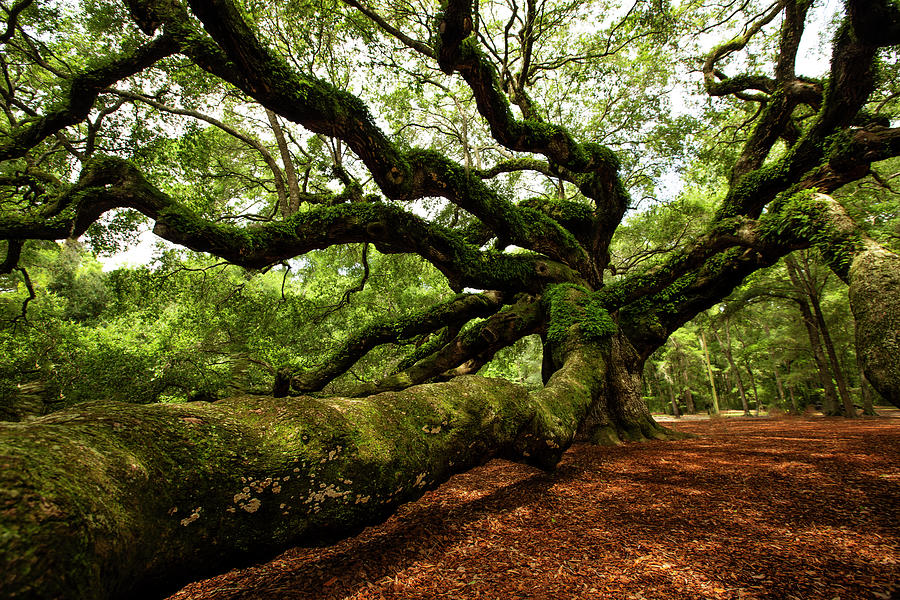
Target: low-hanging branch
(456, 311)
(480, 342)
(108, 183)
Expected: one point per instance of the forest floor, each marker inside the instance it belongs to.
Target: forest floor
(787, 508)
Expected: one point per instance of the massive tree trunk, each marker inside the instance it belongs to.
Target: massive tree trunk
(875, 301)
(620, 414)
(110, 500)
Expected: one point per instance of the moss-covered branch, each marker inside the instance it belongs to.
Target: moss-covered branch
(851, 81)
(108, 183)
(594, 168)
(717, 83)
(79, 96)
(236, 55)
(452, 313)
(877, 22)
(111, 500)
(479, 343)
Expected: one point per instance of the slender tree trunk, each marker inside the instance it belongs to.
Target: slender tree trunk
(830, 404)
(753, 387)
(815, 300)
(709, 372)
(290, 173)
(794, 404)
(674, 401)
(689, 400)
(726, 348)
(840, 377)
(865, 392)
(779, 385)
(686, 387)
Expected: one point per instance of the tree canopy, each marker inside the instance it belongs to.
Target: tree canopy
(595, 173)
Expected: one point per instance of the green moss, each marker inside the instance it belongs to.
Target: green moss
(805, 216)
(571, 305)
(841, 151)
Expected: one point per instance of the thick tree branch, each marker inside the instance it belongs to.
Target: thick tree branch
(479, 343)
(80, 94)
(455, 312)
(13, 254)
(852, 79)
(256, 474)
(322, 108)
(108, 183)
(596, 166)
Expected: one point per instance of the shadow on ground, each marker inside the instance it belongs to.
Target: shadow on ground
(755, 508)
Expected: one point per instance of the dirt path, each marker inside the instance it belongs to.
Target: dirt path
(774, 508)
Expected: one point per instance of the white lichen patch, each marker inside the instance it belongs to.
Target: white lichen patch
(296, 469)
(420, 480)
(252, 505)
(327, 491)
(193, 517)
(362, 500)
(241, 496)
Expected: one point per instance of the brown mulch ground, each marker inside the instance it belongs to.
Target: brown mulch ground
(756, 508)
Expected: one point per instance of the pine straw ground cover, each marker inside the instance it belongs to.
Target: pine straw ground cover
(755, 508)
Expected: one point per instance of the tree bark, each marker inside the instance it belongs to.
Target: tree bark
(675, 412)
(875, 302)
(830, 404)
(682, 367)
(620, 414)
(814, 297)
(865, 394)
(840, 377)
(688, 398)
(779, 385)
(726, 348)
(709, 372)
(113, 500)
(794, 404)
